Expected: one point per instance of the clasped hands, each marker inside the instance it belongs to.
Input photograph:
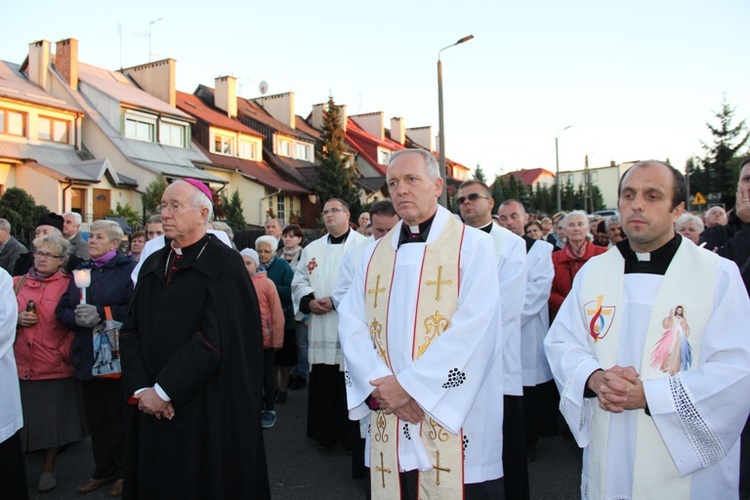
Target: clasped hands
(618, 389)
(321, 306)
(392, 398)
(150, 403)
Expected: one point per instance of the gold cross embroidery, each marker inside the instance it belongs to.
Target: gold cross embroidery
(438, 468)
(376, 291)
(438, 283)
(383, 470)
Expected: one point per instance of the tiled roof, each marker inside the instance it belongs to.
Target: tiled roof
(120, 88)
(15, 86)
(192, 105)
(367, 144)
(528, 177)
(255, 170)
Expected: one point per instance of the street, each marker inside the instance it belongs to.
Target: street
(298, 469)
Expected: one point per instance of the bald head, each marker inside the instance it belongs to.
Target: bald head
(512, 216)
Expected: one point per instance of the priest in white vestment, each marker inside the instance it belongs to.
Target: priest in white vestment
(657, 408)
(419, 333)
(314, 279)
(475, 204)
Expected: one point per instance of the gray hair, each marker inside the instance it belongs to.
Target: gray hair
(4, 225)
(614, 219)
(200, 200)
(431, 163)
(76, 217)
(715, 208)
(575, 213)
(111, 228)
(687, 218)
(269, 240)
(154, 219)
(223, 226)
(56, 243)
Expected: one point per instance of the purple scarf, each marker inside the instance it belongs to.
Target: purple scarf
(101, 261)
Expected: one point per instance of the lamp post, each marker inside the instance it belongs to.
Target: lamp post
(557, 169)
(441, 136)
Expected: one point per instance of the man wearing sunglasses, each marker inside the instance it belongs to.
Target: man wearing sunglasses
(475, 205)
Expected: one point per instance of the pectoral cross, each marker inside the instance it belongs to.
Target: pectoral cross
(376, 290)
(383, 470)
(438, 468)
(438, 283)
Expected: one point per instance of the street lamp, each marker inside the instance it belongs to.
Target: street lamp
(557, 169)
(441, 136)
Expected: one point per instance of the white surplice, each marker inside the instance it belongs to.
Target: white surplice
(511, 274)
(535, 314)
(471, 344)
(317, 273)
(348, 268)
(11, 413)
(699, 424)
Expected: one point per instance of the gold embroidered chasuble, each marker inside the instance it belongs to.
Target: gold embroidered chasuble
(436, 304)
(673, 343)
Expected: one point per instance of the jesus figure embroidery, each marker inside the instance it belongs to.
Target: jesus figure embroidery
(672, 352)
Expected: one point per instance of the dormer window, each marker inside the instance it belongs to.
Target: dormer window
(384, 156)
(53, 129)
(140, 126)
(12, 122)
(223, 145)
(248, 150)
(172, 134)
(285, 147)
(304, 151)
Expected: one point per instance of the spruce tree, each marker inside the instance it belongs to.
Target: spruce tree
(720, 164)
(21, 211)
(479, 175)
(498, 191)
(336, 179)
(234, 212)
(151, 197)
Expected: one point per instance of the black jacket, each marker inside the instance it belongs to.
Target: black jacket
(732, 242)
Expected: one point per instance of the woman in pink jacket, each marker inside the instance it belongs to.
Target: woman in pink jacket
(272, 319)
(49, 394)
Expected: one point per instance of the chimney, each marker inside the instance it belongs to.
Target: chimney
(612, 163)
(319, 110)
(157, 78)
(372, 123)
(281, 107)
(225, 95)
(398, 132)
(422, 136)
(66, 61)
(39, 58)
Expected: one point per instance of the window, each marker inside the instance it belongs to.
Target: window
(141, 129)
(172, 134)
(570, 178)
(248, 150)
(51, 129)
(303, 151)
(281, 207)
(384, 157)
(285, 148)
(12, 122)
(224, 145)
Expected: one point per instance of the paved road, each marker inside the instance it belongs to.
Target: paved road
(298, 470)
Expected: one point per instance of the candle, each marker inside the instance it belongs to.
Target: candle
(82, 278)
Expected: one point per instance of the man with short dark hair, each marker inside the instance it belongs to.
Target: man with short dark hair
(72, 232)
(314, 280)
(540, 398)
(10, 248)
(654, 374)
(423, 351)
(192, 360)
(475, 204)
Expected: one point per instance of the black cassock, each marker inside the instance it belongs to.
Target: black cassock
(194, 328)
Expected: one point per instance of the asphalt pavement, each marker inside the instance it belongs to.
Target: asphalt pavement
(297, 469)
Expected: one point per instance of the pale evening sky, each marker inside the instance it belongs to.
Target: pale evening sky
(636, 79)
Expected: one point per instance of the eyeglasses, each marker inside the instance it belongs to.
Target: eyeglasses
(472, 197)
(172, 207)
(333, 211)
(43, 255)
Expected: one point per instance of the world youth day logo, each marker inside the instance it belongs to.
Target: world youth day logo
(598, 317)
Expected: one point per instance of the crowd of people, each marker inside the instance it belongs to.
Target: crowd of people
(438, 348)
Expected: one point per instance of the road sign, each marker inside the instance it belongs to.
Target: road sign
(699, 199)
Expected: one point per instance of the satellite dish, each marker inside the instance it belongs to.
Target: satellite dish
(263, 87)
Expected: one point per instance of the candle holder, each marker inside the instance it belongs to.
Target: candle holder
(82, 278)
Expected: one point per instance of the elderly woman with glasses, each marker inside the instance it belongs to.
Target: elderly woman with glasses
(103, 398)
(281, 273)
(51, 398)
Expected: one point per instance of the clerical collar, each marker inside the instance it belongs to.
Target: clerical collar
(486, 228)
(655, 262)
(415, 234)
(185, 255)
(338, 240)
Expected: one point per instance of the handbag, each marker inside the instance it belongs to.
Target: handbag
(106, 339)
